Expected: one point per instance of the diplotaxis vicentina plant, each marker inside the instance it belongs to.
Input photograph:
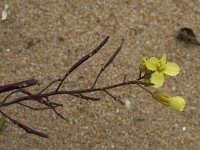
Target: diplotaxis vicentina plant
(151, 75)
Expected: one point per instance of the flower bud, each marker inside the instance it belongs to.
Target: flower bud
(175, 102)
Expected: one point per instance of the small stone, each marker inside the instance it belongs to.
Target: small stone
(183, 128)
(128, 104)
(187, 35)
(117, 111)
(4, 13)
(173, 88)
(112, 146)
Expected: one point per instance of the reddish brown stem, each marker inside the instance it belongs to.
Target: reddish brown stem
(108, 63)
(24, 127)
(82, 60)
(18, 85)
(53, 93)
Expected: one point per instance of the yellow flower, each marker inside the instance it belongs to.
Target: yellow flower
(159, 68)
(175, 102)
(143, 67)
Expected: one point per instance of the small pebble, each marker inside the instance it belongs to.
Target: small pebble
(187, 35)
(112, 146)
(4, 13)
(183, 128)
(128, 104)
(117, 111)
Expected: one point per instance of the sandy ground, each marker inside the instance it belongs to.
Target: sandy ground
(61, 32)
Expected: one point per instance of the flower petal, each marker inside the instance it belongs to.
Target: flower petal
(163, 59)
(143, 65)
(157, 79)
(177, 102)
(171, 69)
(151, 63)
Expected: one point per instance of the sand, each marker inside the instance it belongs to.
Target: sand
(41, 39)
